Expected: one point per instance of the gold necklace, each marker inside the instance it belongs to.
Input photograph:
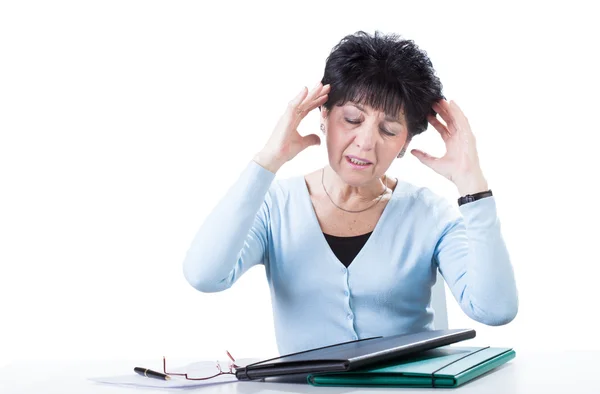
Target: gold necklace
(347, 210)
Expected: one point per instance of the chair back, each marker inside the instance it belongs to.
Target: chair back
(438, 303)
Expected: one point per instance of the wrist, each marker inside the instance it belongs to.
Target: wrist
(471, 184)
(268, 161)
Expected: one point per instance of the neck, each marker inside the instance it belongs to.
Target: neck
(350, 195)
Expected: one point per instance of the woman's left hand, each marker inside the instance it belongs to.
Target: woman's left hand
(460, 164)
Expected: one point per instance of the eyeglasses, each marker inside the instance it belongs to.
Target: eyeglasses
(232, 366)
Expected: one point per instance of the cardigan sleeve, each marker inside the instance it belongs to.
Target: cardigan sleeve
(473, 259)
(234, 236)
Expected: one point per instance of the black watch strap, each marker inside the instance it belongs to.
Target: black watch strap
(474, 197)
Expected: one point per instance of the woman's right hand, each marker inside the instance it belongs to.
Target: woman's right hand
(285, 141)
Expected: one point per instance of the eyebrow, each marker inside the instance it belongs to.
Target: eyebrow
(388, 118)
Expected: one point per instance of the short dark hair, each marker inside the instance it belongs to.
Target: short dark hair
(385, 72)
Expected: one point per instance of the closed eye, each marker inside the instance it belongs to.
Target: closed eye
(384, 131)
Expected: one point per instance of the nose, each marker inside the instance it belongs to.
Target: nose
(365, 137)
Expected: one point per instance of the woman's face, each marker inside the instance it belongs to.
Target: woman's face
(357, 130)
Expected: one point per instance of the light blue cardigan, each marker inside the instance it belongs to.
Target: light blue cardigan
(387, 288)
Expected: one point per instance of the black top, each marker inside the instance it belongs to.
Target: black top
(346, 248)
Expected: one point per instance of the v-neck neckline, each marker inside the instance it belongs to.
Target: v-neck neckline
(323, 240)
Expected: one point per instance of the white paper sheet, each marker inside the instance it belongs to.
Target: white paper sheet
(197, 369)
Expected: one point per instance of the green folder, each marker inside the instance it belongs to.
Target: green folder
(443, 367)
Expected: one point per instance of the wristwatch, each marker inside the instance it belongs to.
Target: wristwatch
(474, 197)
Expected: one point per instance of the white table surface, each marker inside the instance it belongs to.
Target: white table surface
(530, 372)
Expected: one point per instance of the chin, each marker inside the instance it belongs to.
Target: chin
(356, 178)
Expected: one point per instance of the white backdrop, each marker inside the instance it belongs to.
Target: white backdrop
(123, 122)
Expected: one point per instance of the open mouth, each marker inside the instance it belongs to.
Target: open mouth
(357, 163)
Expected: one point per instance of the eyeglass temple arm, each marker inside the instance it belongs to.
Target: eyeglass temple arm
(232, 359)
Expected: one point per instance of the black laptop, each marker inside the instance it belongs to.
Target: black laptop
(348, 356)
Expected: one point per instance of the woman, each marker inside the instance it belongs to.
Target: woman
(349, 252)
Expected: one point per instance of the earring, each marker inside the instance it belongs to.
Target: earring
(323, 128)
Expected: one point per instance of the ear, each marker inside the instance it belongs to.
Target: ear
(324, 113)
(403, 151)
